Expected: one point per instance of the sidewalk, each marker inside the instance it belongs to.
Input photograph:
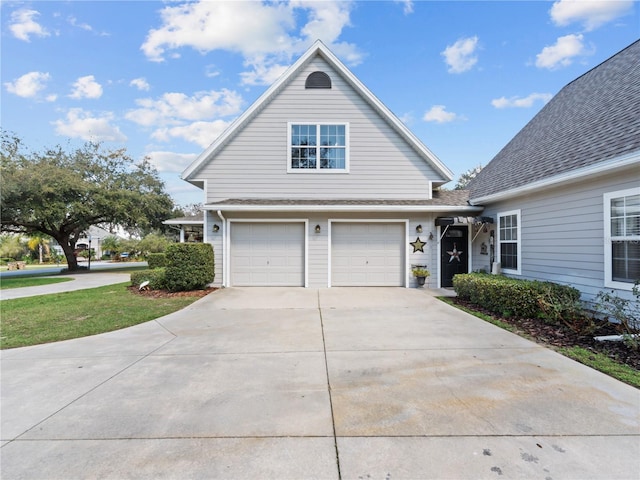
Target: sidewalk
(80, 281)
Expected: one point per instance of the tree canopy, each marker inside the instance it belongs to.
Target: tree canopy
(62, 193)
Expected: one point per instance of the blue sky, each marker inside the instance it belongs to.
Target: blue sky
(164, 79)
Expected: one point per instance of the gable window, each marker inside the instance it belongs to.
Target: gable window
(622, 238)
(509, 241)
(318, 147)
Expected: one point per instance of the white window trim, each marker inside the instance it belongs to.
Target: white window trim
(322, 171)
(517, 271)
(606, 204)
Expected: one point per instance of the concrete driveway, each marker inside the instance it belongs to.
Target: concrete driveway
(305, 383)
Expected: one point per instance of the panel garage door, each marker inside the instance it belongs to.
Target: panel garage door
(267, 254)
(367, 254)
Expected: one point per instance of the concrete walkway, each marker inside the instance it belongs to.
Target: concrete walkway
(80, 282)
(304, 383)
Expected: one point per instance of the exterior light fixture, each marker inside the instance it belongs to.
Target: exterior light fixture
(431, 236)
(216, 227)
(318, 229)
(419, 229)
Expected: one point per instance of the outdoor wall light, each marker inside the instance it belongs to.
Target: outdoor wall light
(216, 227)
(318, 229)
(430, 235)
(419, 229)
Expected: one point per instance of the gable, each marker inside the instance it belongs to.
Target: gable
(380, 145)
(591, 121)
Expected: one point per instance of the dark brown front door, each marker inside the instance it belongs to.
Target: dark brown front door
(454, 257)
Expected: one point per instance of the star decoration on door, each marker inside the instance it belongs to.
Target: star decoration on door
(454, 254)
(418, 246)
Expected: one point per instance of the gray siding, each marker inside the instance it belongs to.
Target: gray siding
(562, 233)
(318, 254)
(254, 163)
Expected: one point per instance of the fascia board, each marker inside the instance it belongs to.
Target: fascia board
(344, 208)
(188, 222)
(618, 163)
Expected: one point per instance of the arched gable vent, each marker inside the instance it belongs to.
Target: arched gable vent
(318, 80)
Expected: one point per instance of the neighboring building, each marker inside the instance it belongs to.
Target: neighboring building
(318, 184)
(190, 227)
(565, 192)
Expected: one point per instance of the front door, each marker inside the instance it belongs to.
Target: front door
(454, 257)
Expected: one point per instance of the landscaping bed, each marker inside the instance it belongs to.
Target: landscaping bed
(168, 294)
(561, 337)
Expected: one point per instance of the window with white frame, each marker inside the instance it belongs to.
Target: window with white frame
(622, 238)
(509, 241)
(318, 147)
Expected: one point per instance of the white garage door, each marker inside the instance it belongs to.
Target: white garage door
(267, 254)
(367, 254)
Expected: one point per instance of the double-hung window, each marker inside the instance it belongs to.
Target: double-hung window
(622, 238)
(509, 241)
(318, 147)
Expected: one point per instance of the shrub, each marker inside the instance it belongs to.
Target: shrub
(511, 297)
(156, 260)
(190, 266)
(156, 278)
(624, 312)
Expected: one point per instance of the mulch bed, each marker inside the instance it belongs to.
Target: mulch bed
(560, 336)
(168, 294)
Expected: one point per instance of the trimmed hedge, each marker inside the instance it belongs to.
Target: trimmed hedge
(190, 266)
(155, 276)
(512, 297)
(156, 260)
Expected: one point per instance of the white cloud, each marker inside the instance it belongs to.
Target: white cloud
(29, 84)
(524, 102)
(86, 87)
(263, 72)
(461, 56)
(590, 13)
(82, 124)
(23, 25)
(174, 108)
(140, 83)
(407, 6)
(263, 33)
(439, 114)
(200, 133)
(73, 21)
(562, 53)
(170, 161)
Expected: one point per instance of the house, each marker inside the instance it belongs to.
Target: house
(564, 193)
(190, 227)
(318, 184)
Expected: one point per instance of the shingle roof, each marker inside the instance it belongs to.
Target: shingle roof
(592, 119)
(448, 198)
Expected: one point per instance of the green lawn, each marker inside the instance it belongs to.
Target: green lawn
(55, 317)
(19, 282)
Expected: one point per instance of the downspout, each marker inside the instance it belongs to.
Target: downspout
(224, 250)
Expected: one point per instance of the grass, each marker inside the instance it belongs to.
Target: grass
(603, 364)
(597, 361)
(28, 281)
(62, 316)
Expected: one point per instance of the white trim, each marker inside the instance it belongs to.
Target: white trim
(617, 163)
(330, 221)
(606, 206)
(518, 213)
(319, 170)
(345, 208)
(187, 222)
(304, 221)
(318, 48)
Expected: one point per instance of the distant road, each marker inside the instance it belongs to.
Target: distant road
(97, 266)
